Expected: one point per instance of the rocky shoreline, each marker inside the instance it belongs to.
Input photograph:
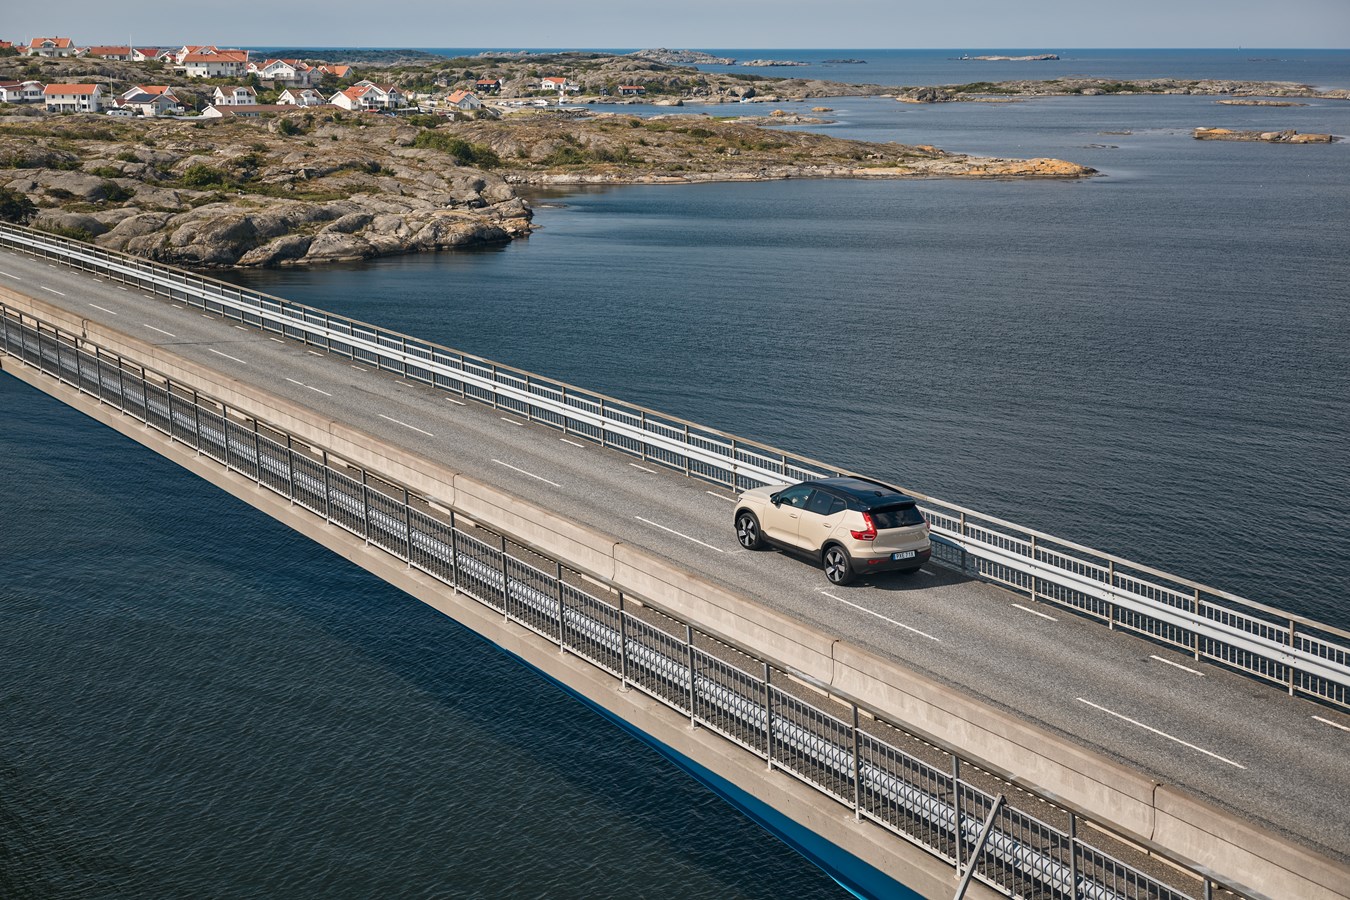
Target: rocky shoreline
(315, 187)
(1288, 136)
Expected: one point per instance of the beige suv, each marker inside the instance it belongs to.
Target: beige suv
(852, 525)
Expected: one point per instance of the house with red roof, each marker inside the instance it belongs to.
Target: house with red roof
(337, 71)
(290, 72)
(465, 100)
(73, 97)
(51, 46)
(212, 62)
(368, 95)
(300, 97)
(558, 83)
(109, 52)
(21, 91)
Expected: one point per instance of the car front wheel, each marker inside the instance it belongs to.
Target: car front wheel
(838, 567)
(747, 531)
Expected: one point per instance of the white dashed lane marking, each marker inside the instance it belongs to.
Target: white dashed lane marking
(643, 468)
(720, 496)
(1332, 724)
(573, 443)
(1034, 612)
(54, 291)
(1136, 722)
(317, 391)
(679, 534)
(160, 330)
(7, 275)
(1177, 665)
(910, 628)
(530, 474)
(406, 425)
(226, 355)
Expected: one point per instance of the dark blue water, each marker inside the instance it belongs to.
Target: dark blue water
(195, 701)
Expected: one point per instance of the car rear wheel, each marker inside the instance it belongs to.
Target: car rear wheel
(747, 531)
(838, 567)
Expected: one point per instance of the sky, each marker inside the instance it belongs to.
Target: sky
(1033, 25)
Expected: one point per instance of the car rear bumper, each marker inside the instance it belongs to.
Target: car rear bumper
(862, 565)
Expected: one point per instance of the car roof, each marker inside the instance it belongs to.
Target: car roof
(865, 491)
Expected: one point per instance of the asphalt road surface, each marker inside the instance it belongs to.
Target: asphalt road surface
(1247, 746)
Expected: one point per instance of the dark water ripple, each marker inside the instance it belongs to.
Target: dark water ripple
(195, 701)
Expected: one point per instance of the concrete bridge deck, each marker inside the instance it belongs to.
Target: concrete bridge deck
(1247, 747)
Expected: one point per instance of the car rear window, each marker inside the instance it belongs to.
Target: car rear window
(901, 516)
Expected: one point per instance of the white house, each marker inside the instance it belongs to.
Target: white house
(51, 46)
(234, 96)
(245, 111)
(73, 97)
(105, 52)
(291, 72)
(368, 95)
(631, 90)
(145, 54)
(21, 91)
(211, 62)
(559, 84)
(300, 97)
(465, 100)
(150, 100)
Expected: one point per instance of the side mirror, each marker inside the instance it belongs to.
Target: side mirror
(775, 499)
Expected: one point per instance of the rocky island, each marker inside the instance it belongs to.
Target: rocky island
(1288, 136)
(319, 184)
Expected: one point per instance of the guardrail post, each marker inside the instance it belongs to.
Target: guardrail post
(956, 809)
(257, 443)
(327, 489)
(623, 646)
(290, 470)
(1111, 607)
(365, 506)
(197, 419)
(686, 449)
(121, 381)
(562, 618)
(506, 583)
(1291, 669)
(857, 770)
(689, 660)
(1195, 635)
(768, 719)
(1073, 856)
(1209, 889)
(1033, 574)
(407, 523)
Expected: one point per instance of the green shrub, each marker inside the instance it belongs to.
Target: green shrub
(106, 172)
(115, 193)
(465, 153)
(200, 175)
(128, 156)
(15, 207)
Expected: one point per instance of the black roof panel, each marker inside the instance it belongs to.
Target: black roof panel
(869, 493)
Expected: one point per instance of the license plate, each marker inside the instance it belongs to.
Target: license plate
(903, 554)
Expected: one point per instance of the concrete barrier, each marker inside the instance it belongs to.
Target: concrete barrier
(1159, 817)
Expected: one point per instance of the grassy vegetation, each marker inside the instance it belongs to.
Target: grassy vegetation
(465, 153)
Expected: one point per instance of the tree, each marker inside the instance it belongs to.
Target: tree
(16, 207)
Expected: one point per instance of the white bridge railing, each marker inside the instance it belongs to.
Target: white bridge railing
(1304, 656)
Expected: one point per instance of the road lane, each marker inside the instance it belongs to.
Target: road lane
(1037, 665)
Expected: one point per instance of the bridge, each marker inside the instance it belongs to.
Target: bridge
(1038, 717)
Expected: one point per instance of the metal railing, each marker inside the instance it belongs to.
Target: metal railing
(728, 690)
(1304, 656)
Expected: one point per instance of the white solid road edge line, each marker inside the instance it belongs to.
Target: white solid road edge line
(643, 468)
(1177, 665)
(720, 496)
(679, 533)
(1332, 724)
(573, 443)
(530, 474)
(880, 616)
(1161, 733)
(1034, 612)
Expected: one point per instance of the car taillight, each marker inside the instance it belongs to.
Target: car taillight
(867, 534)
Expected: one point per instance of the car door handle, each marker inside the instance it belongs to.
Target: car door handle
(792, 515)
